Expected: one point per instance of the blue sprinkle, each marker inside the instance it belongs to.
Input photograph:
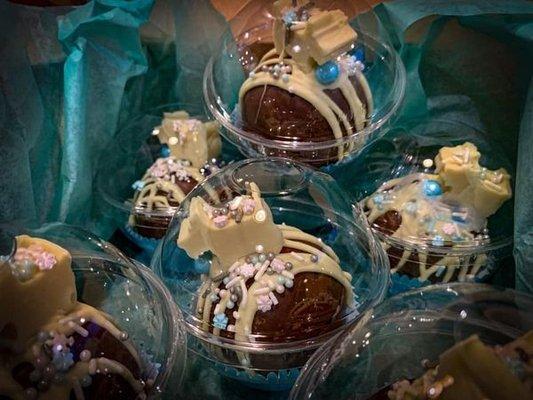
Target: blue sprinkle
(220, 321)
(165, 151)
(359, 54)
(289, 17)
(327, 73)
(438, 241)
(138, 185)
(411, 207)
(432, 188)
(440, 270)
(63, 361)
(378, 198)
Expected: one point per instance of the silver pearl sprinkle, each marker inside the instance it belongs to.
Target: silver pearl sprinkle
(314, 258)
(270, 271)
(288, 266)
(234, 298)
(271, 256)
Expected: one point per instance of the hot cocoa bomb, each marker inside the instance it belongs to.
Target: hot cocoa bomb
(308, 87)
(56, 347)
(268, 284)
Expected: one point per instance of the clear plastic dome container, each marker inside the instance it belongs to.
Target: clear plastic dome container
(275, 120)
(132, 298)
(133, 151)
(391, 342)
(440, 202)
(303, 199)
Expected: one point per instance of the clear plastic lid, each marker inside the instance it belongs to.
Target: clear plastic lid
(439, 197)
(396, 339)
(127, 294)
(301, 199)
(334, 90)
(134, 151)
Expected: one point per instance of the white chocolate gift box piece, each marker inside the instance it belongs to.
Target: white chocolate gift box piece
(189, 139)
(468, 183)
(230, 238)
(454, 163)
(47, 290)
(322, 37)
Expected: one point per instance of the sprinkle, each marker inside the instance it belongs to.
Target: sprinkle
(427, 163)
(280, 289)
(273, 298)
(448, 228)
(261, 291)
(85, 355)
(327, 73)
(236, 315)
(285, 78)
(287, 274)
(297, 256)
(248, 206)
(438, 241)
(440, 270)
(262, 270)
(220, 221)
(264, 303)
(235, 203)
(220, 321)
(289, 283)
(231, 328)
(138, 185)
(155, 132)
(79, 329)
(252, 75)
(230, 304)
(411, 207)
(459, 216)
(314, 258)
(277, 265)
(288, 265)
(432, 188)
(173, 141)
(247, 270)
(259, 248)
(233, 282)
(260, 216)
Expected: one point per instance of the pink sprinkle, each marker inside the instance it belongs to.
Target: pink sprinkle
(264, 303)
(247, 270)
(273, 298)
(448, 228)
(248, 206)
(45, 261)
(220, 221)
(277, 265)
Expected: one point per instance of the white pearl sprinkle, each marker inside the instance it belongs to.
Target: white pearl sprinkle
(259, 248)
(173, 141)
(427, 163)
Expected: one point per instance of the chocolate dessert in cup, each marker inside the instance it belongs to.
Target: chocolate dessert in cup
(168, 153)
(442, 211)
(81, 321)
(313, 81)
(266, 276)
(448, 342)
